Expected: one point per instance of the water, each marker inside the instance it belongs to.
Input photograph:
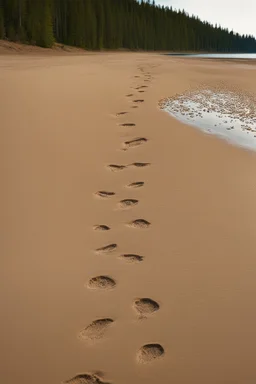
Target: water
(217, 55)
(229, 115)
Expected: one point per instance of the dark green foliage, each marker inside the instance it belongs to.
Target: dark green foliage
(114, 24)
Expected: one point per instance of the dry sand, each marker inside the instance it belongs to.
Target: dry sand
(185, 239)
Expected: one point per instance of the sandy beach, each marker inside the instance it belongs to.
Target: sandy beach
(85, 244)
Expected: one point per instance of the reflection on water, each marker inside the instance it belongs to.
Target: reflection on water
(230, 115)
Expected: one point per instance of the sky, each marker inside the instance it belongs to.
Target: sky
(236, 15)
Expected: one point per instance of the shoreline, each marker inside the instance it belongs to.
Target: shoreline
(191, 224)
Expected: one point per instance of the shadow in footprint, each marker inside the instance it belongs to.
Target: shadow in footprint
(136, 184)
(106, 249)
(121, 113)
(127, 203)
(127, 125)
(134, 143)
(131, 258)
(149, 353)
(139, 224)
(116, 167)
(96, 330)
(139, 165)
(138, 101)
(86, 378)
(101, 228)
(145, 307)
(101, 283)
(105, 194)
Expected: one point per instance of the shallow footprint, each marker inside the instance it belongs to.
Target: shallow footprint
(104, 194)
(134, 143)
(127, 125)
(101, 282)
(128, 203)
(107, 249)
(130, 95)
(138, 101)
(139, 165)
(101, 228)
(145, 306)
(136, 184)
(149, 352)
(116, 167)
(121, 113)
(139, 223)
(96, 330)
(86, 378)
(131, 258)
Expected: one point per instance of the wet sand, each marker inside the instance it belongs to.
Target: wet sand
(153, 282)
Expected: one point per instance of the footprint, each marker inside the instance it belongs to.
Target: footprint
(96, 330)
(136, 184)
(134, 142)
(105, 194)
(121, 113)
(130, 95)
(142, 86)
(116, 167)
(101, 228)
(127, 125)
(149, 352)
(131, 258)
(128, 203)
(141, 91)
(139, 223)
(138, 101)
(86, 378)
(107, 249)
(101, 282)
(140, 165)
(145, 306)
(134, 106)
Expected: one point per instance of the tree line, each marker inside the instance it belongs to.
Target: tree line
(114, 24)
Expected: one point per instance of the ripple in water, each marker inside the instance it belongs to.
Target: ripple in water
(227, 114)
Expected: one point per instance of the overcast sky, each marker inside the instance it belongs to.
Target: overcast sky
(239, 15)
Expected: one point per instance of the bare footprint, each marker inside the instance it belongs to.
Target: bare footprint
(149, 353)
(134, 143)
(86, 378)
(104, 194)
(131, 258)
(145, 307)
(127, 125)
(101, 283)
(139, 223)
(138, 101)
(139, 165)
(127, 203)
(101, 227)
(121, 113)
(116, 167)
(130, 95)
(141, 91)
(136, 184)
(107, 249)
(96, 330)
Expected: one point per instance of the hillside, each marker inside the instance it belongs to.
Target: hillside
(114, 24)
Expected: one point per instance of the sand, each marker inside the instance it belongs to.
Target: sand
(104, 278)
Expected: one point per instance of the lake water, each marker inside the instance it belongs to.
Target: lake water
(217, 55)
(227, 114)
